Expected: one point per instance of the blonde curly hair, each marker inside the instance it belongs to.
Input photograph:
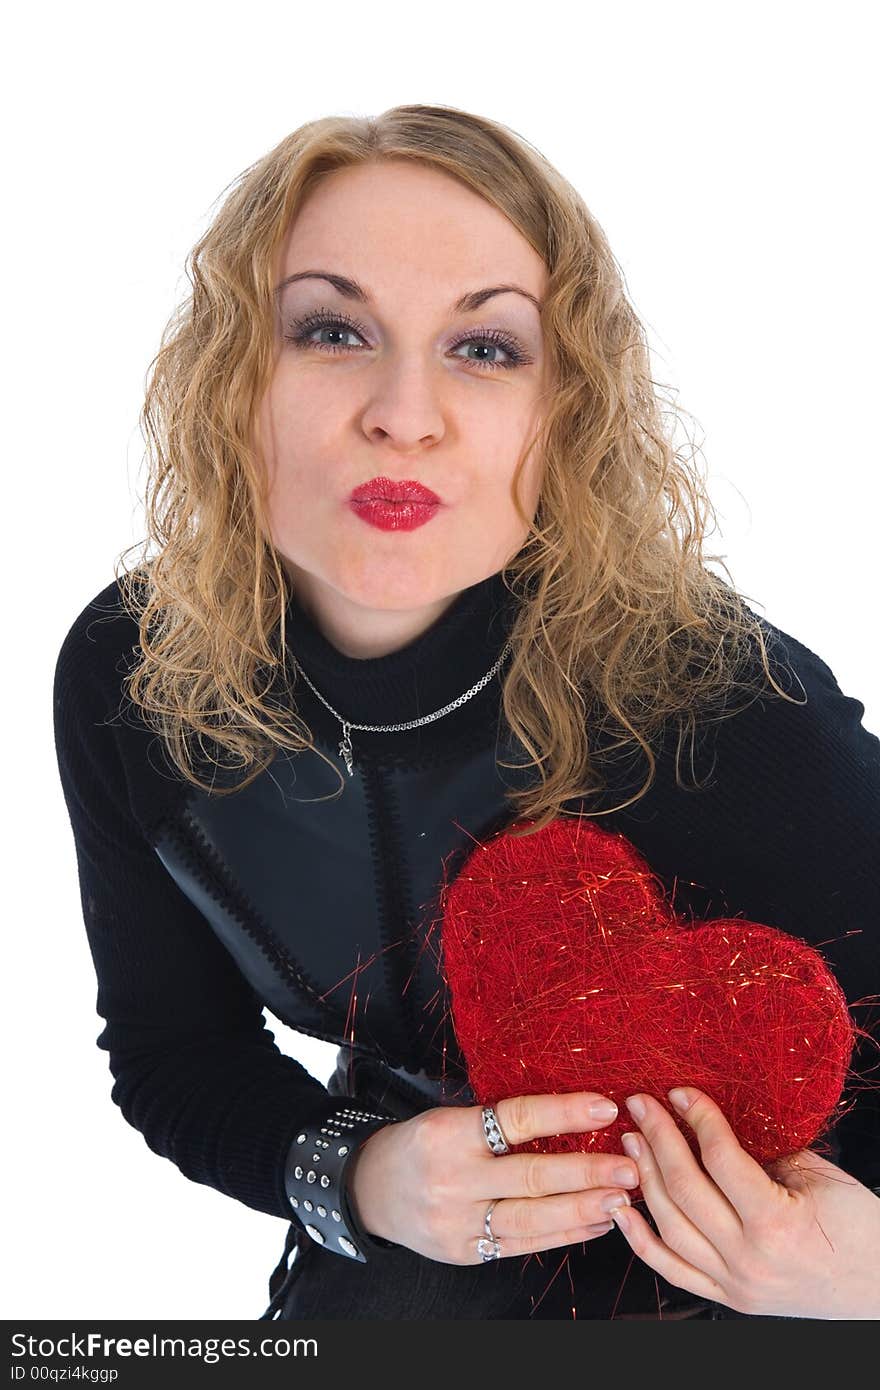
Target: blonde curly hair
(619, 625)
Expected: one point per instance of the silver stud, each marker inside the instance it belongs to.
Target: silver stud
(297, 1172)
(311, 1175)
(322, 1211)
(337, 1216)
(347, 1246)
(325, 1181)
(316, 1158)
(309, 1206)
(294, 1202)
(301, 1138)
(316, 1234)
(343, 1149)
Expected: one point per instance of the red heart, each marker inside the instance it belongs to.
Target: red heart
(568, 970)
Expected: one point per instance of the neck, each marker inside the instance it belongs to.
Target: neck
(361, 633)
(444, 661)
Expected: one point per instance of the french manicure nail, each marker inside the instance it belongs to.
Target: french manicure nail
(603, 1110)
(631, 1145)
(636, 1107)
(617, 1199)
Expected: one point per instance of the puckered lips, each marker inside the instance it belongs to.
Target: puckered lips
(394, 506)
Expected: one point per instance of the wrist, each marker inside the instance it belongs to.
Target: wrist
(367, 1184)
(862, 1296)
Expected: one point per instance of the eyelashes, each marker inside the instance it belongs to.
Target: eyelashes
(301, 329)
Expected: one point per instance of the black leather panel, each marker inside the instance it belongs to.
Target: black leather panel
(297, 888)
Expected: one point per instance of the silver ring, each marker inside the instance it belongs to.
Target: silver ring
(488, 1246)
(493, 1132)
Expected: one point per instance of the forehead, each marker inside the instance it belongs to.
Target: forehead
(392, 222)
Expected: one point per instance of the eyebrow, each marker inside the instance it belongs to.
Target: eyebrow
(475, 299)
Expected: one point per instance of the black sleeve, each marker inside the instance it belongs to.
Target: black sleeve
(802, 852)
(842, 887)
(194, 1067)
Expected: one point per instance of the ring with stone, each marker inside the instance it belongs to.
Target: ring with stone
(493, 1132)
(488, 1246)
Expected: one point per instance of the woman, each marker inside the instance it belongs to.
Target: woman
(419, 525)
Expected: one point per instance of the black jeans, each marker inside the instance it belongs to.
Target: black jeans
(578, 1281)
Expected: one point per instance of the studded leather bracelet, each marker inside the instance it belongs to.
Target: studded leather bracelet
(315, 1180)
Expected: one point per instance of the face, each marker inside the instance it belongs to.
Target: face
(405, 386)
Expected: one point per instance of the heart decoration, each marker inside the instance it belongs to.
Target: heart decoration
(569, 970)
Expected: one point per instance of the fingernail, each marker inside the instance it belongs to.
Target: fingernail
(617, 1199)
(636, 1107)
(603, 1110)
(631, 1146)
(622, 1219)
(680, 1098)
(626, 1177)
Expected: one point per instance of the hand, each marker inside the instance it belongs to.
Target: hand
(426, 1182)
(800, 1241)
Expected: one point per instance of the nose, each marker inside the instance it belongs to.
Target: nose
(405, 406)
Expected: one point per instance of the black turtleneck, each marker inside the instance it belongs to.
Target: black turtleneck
(793, 820)
(435, 669)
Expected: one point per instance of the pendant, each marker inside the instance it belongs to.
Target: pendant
(345, 749)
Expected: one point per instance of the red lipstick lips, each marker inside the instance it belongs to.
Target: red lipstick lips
(388, 491)
(394, 506)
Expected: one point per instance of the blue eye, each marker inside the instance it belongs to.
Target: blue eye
(321, 321)
(493, 342)
(325, 320)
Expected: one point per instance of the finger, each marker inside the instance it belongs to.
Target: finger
(681, 1236)
(533, 1117)
(678, 1190)
(530, 1217)
(748, 1189)
(544, 1175)
(533, 1174)
(672, 1267)
(553, 1240)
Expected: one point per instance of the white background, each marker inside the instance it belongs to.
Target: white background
(729, 154)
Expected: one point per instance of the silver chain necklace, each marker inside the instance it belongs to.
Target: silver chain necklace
(345, 749)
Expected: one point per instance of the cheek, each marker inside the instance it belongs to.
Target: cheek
(291, 430)
(526, 480)
(518, 431)
(530, 482)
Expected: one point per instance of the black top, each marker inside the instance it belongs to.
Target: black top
(445, 661)
(790, 827)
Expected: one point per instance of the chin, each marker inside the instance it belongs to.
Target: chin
(393, 587)
(391, 599)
